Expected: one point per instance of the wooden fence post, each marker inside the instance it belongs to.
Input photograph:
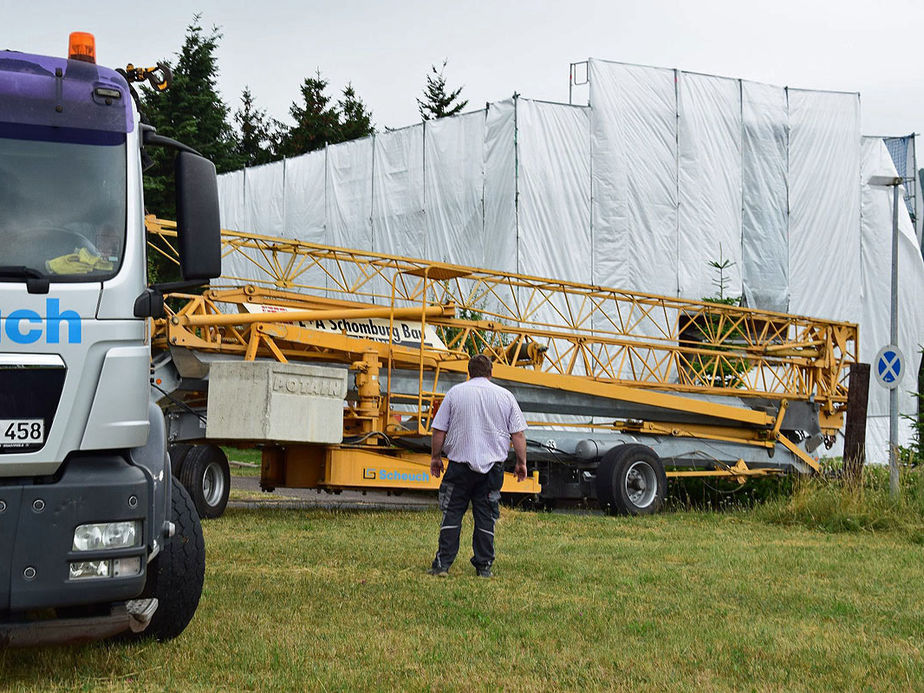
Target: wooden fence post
(855, 429)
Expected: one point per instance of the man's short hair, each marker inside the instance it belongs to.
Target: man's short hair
(479, 367)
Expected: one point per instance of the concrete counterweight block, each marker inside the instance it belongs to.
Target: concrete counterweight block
(281, 402)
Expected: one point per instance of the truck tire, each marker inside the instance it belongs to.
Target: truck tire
(207, 477)
(631, 481)
(178, 452)
(176, 574)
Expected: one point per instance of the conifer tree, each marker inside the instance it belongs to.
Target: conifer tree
(258, 137)
(190, 111)
(355, 118)
(438, 101)
(316, 120)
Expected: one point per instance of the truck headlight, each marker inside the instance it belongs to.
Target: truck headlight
(107, 535)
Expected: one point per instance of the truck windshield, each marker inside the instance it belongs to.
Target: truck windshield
(62, 202)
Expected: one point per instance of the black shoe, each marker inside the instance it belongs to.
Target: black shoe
(438, 572)
(484, 572)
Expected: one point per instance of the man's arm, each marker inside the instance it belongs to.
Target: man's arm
(519, 448)
(436, 449)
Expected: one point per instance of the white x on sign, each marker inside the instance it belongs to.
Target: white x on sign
(890, 366)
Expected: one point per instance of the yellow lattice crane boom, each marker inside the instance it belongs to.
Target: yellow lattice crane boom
(709, 388)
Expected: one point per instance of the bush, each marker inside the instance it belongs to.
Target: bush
(717, 493)
(831, 503)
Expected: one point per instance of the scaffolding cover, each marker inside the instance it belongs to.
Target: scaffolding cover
(500, 191)
(454, 180)
(634, 177)
(305, 197)
(709, 181)
(824, 185)
(765, 203)
(875, 275)
(554, 190)
(662, 174)
(398, 223)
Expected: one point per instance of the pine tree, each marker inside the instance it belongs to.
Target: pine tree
(258, 134)
(190, 111)
(319, 122)
(355, 118)
(316, 120)
(438, 102)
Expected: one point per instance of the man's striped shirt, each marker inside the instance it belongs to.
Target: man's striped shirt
(478, 417)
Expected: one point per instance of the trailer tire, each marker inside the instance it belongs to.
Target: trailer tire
(176, 574)
(207, 477)
(631, 481)
(605, 479)
(178, 452)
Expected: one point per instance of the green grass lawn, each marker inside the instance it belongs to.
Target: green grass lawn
(322, 600)
(250, 457)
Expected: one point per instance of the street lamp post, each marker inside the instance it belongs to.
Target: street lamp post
(893, 182)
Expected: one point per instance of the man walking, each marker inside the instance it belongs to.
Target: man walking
(474, 425)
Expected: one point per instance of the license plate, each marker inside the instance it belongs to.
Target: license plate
(21, 432)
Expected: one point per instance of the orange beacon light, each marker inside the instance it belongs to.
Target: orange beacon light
(81, 46)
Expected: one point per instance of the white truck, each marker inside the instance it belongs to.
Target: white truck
(96, 538)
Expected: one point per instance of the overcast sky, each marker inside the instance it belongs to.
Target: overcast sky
(496, 48)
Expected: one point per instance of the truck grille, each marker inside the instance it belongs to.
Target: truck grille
(30, 389)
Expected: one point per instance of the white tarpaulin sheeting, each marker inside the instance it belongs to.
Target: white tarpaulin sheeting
(500, 187)
(874, 319)
(349, 195)
(305, 197)
(824, 195)
(709, 184)
(665, 172)
(231, 198)
(765, 203)
(454, 179)
(554, 190)
(634, 177)
(398, 223)
(263, 205)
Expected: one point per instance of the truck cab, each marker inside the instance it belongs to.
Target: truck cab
(90, 519)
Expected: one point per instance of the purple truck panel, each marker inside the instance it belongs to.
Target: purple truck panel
(46, 91)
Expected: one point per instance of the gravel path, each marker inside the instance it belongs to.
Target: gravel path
(297, 498)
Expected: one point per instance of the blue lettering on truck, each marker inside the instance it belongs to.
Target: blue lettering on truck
(25, 326)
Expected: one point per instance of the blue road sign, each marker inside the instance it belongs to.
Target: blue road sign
(889, 366)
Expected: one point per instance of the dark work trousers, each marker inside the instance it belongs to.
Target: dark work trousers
(459, 486)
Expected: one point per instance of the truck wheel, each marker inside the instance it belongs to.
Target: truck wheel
(178, 453)
(631, 480)
(207, 477)
(176, 575)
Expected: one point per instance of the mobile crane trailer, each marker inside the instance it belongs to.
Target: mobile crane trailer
(96, 538)
(622, 389)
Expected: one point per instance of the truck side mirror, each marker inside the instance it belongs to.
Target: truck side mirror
(198, 222)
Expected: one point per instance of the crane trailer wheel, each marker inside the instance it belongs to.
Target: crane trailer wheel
(206, 475)
(631, 481)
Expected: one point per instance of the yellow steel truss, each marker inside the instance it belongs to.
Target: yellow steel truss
(549, 326)
(627, 346)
